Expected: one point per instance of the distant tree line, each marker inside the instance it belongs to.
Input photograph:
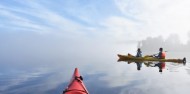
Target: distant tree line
(172, 43)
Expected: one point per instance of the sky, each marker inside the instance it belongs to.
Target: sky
(112, 20)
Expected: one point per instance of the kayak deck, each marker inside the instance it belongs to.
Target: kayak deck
(133, 58)
(76, 85)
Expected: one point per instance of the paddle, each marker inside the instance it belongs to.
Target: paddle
(154, 55)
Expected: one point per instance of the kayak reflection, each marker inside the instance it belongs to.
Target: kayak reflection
(160, 65)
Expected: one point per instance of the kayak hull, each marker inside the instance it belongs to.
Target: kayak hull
(76, 85)
(133, 58)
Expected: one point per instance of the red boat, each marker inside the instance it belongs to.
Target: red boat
(76, 85)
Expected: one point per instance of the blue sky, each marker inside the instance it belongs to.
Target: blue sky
(111, 20)
(60, 15)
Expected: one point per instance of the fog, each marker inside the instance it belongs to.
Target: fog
(31, 60)
(29, 49)
(33, 49)
(27, 56)
(169, 44)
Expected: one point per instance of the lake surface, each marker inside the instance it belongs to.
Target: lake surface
(102, 75)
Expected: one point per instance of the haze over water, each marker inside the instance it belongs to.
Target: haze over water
(42, 41)
(48, 70)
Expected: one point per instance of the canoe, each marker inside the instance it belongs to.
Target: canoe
(130, 57)
(76, 85)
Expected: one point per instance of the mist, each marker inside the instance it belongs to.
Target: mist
(34, 49)
(169, 44)
(27, 50)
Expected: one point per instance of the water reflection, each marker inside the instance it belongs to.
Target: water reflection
(103, 76)
(160, 65)
(139, 65)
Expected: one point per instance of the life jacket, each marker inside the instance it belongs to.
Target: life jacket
(163, 55)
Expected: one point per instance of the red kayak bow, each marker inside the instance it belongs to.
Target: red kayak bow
(76, 85)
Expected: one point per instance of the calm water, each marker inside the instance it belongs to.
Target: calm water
(102, 75)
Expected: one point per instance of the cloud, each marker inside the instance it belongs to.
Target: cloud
(76, 22)
(120, 28)
(38, 18)
(159, 17)
(135, 19)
